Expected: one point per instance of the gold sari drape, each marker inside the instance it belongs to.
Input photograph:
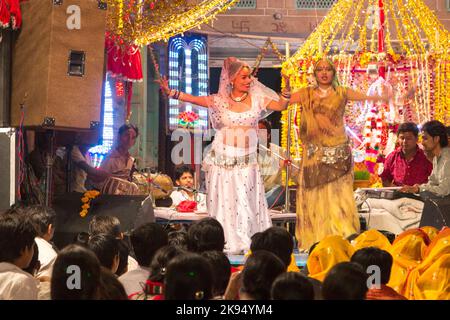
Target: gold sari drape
(325, 202)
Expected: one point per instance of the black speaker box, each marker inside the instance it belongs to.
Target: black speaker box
(436, 212)
(128, 209)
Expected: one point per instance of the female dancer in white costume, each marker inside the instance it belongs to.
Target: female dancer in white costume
(235, 190)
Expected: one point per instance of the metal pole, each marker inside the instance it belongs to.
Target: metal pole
(287, 203)
(48, 169)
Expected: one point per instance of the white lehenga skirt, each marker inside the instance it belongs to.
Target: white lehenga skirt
(235, 195)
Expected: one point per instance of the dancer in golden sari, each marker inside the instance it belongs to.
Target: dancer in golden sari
(325, 203)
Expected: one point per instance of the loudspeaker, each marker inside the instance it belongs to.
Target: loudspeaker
(132, 211)
(58, 64)
(436, 212)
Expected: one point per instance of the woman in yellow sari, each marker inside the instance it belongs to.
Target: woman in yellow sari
(325, 203)
(371, 238)
(328, 252)
(407, 251)
(431, 279)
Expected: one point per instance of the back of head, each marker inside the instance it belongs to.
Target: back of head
(436, 129)
(189, 277)
(105, 247)
(345, 281)
(76, 274)
(276, 240)
(205, 235)
(371, 259)
(260, 271)
(17, 232)
(178, 239)
(292, 286)
(110, 288)
(42, 217)
(105, 224)
(222, 270)
(158, 266)
(146, 240)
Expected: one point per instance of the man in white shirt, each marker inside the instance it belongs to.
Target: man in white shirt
(184, 180)
(17, 235)
(146, 240)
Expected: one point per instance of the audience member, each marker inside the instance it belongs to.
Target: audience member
(377, 260)
(221, 272)
(189, 277)
(106, 248)
(76, 274)
(205, 235)
(276, 240)
(260, 271)
(146, 240)
(17, 243)
(345, 281)
(292, 286)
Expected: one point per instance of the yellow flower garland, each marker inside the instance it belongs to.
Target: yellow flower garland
(86, 200)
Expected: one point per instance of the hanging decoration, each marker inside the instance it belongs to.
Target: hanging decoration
(10, 14)
(263, 53)
(141, 22)
(377, 43)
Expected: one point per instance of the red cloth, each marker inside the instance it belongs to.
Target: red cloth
(5, 15)
(384, 293)
(402, 172)
(187, 206)
(123, 60)
(16, 14)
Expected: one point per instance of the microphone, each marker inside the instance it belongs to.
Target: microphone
(186, 189)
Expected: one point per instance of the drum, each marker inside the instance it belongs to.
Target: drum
(161, 185)
(141, 180)
(118, 186)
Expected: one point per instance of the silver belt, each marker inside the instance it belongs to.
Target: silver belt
(231, 162)
(329, 155)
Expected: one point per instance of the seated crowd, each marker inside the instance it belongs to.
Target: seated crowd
(154, 264)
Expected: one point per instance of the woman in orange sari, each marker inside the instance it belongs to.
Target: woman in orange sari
(325, 202)
(407, 251)
(431, 279)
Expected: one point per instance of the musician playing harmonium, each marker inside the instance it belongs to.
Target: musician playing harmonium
(184, 180)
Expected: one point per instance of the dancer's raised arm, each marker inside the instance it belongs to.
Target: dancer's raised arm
(203, 101)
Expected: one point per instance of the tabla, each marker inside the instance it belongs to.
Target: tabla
(159, 185)
(118, 186)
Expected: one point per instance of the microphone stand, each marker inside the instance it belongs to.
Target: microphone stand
(288, 168)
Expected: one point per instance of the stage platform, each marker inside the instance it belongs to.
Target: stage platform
(300, 259)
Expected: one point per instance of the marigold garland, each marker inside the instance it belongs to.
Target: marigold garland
(86, 200)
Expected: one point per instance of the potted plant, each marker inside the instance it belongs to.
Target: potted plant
(362, 179)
